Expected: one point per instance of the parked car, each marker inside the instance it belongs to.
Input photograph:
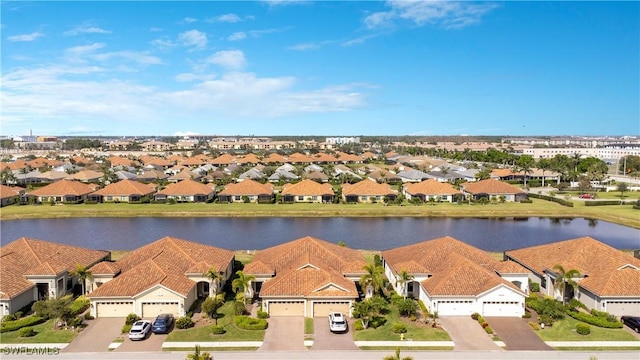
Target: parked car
(162, 324)
(586, 196)
(140, 330)
(631, 321)
(337, 322)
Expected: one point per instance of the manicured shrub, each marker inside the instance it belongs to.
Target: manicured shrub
(18, 315)
(131, 318)
(600, 314)
(575, 304)
(79, 305)
(263, 314)
(534, 287)
(484, 325)
(377, 321)
(248, 323)
(218, 329)
(595, 320)
(480, 319)
(423, 307)
(407, 307)
(75, 321)
(399, 328)
(125, 328)
(184, 322)
(240, 308)
(358, 325)
(549, 307)
(527, 314)
(20, 323)
(474, 316)
(534, 325)
(583, 329)
(87, 316)
(27, 332)
(488, 329)
(413, 318)
(546, 320)
(9, 317)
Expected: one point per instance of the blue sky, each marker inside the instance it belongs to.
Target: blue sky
(320, 68)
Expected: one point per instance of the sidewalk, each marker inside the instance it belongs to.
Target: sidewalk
(598, 344)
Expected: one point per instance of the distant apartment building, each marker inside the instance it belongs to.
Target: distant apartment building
(574, 141)
(157, 146)
(343, 140)
(233, 143)
(606, 153)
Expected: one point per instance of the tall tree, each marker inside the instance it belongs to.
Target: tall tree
(544, 165)
(564, 280)
(242, 283)
(622, 187)
(372, 279)
(403, 278)
(83, 273)
(525, 164)
(215, 280)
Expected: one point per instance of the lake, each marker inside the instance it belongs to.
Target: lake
(358, 233)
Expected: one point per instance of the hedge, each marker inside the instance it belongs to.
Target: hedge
(551, 198)
(248, 323)
(79, 305)
(583, 329)
(607, 202)
(20, 323)
(595, 320)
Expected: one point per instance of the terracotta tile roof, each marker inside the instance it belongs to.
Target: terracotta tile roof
(187, 187)
(16, 165)
(62, 188)
(249, 159)
(298, 158)
(105, 268)
(610, 272)
(55, 175)
(275, 158)
(30, 256)
(510, 267)
(246, 188)
(324, 157)
(125, 187)
(121, 161)
(310, 281)
(194, 161)
(368, 155)
(153, 174)
(223, 159)
(184, 175)
(10, 191)
(40, 162)
(259, 268)
(490, 186)
(307, 187)
(153, 160)
(367, 187)
(316, 175)
(412, 267)
(163, 262)
(384, 175)
(431, 187)
(344, 157)
(501, 172)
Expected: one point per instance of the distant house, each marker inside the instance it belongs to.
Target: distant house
(67, 191)
(307, 191)
(491, 188)
(283, 175)
(367, 191)
(431, 189)
(36, 269)
(249, 189)
(609, 279)
(123, 191)
(413, 175)
(186, 191)
(251, 174)
(384, 176)
(316, 176)
(184, 175)
(152, 175)
(10, 194)
(86, 176)
(306, 277)
(453, 278)
(165, 276)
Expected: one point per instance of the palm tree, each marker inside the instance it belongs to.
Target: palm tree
(83, 273)
(397, 356)
(544, 165)
(525, 163)
(565, 278)
(622, 187)
(242, 283)
(197, 355)
(403, 278)
(215, 279)
(372, 279)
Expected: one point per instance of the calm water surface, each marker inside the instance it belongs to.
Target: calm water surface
(358, 233)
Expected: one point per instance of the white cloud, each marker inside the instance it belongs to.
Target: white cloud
(189, 77)
(26, 37)
(240, 35)
(357, 41)
(189, 20)
(163, 43)
(228, 59)
(140, 58)
(87, 29)
(228, 18)
(311, 45)
(155, 29)
(193, 38)
(284, 2)
(445, 14)
(185, 133)
(82, 50)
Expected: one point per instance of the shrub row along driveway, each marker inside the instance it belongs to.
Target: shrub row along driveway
(516, 333)
(467, 334)
(324, 339)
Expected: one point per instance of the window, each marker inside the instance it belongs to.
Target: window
(314, 198)
(238, 198)
(300, 198)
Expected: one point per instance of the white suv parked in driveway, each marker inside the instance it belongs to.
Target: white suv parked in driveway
(337, 322)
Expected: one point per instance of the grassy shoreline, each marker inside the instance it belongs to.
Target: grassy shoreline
(620, 214)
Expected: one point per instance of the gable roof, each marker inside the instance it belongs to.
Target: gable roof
(163, 262)
(610, 272)
(275, 158)
(62, 188)
(10, 191)
(246, 188)
(27, 256)
(367, 187)
(490, 186)
(187, 187)
(125, 187)
(307, 187)
(431, 187)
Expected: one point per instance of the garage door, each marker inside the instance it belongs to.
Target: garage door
(620, 308)
(323, 308)
(114, 309)
(153, 309)
(286, 308)
(455, 307)
(502, 308)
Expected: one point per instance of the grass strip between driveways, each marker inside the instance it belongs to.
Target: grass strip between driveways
(45, 334)
(565, 330)
(308, 326)
(415, 330)
(409, 348)
(204, 334)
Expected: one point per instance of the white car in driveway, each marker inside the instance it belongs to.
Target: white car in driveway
(140, 330)
(337, 322)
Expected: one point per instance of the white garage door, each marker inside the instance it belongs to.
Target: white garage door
(323, 308)
(286, 308)
(620, 308)
(502, 308)
(114, 309)
(153, 309)
(455, 307)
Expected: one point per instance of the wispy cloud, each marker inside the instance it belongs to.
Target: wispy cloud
(26, 37)
(445, 14)
(311, 45)
(155, 29)
(358, 40)
(82, 50)
(193, 38)
(228, 59)
(229, 18)
(86, 29)
(163, 43)
(188, 20)
(241, 35)
(285, 2)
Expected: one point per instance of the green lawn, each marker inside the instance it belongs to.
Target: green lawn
(621, 214)
(203, 333)
(415, 330)
(46, 334)
(308, 326)
(565, 330)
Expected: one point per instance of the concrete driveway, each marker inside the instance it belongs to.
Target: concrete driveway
(284, 333)
(97, 336)
(152, 343)
(516, 333)
(467, 334)
(323, 339)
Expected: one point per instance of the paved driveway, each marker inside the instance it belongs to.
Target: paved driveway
(467, 334)
(152, 343)
(284, 333)
(97, 336)
(516, 333)
(323, 339)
